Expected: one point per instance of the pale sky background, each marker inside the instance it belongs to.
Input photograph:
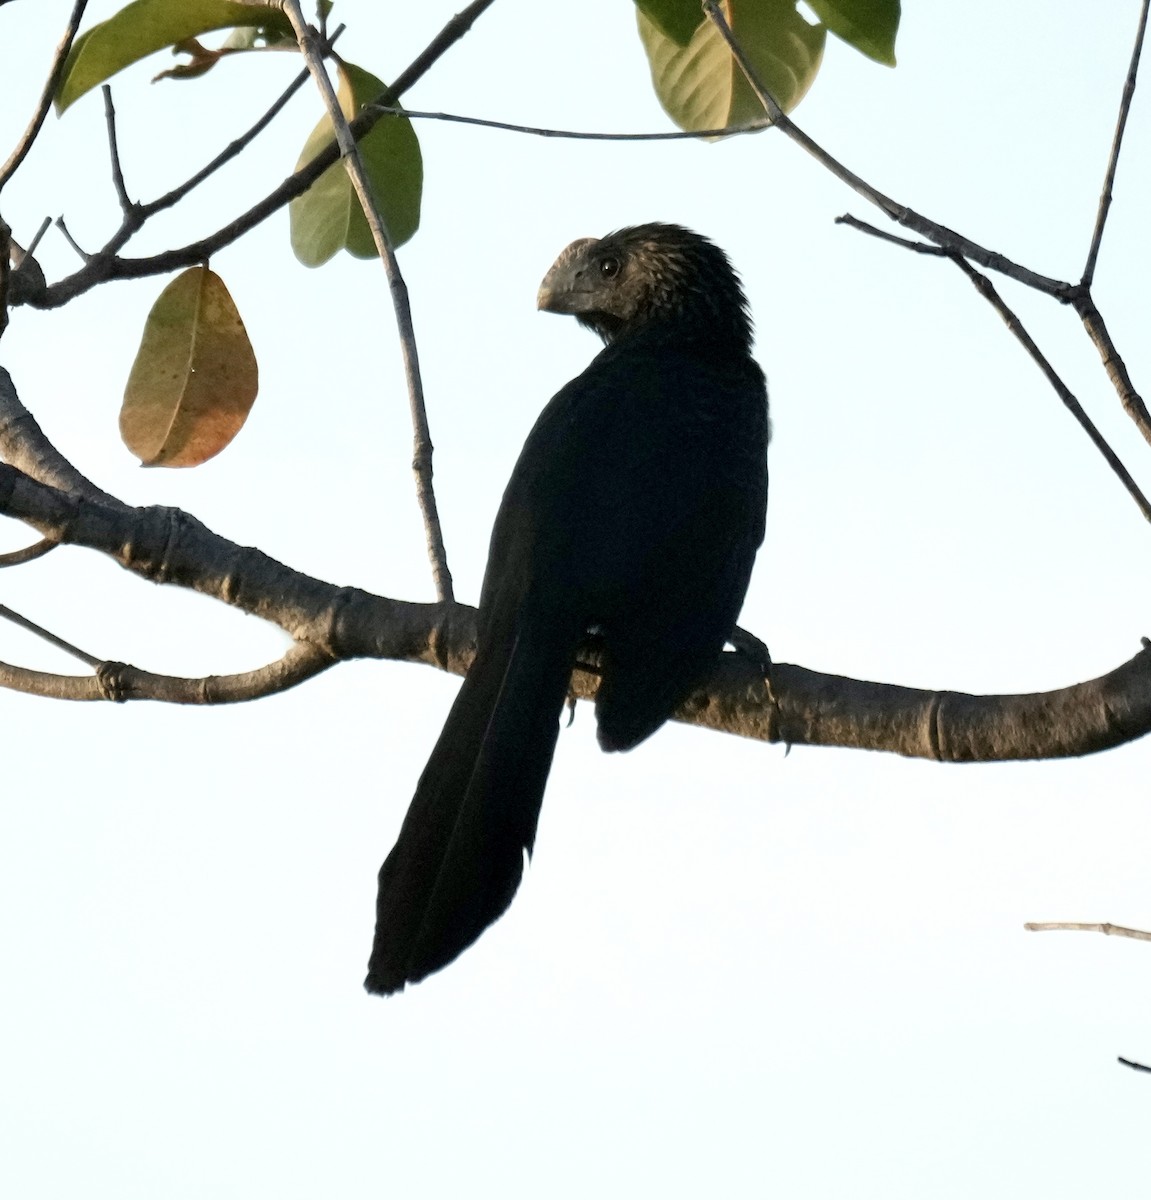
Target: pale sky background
(729, 972)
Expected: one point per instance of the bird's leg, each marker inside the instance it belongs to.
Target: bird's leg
(748, 644)
(588, 659)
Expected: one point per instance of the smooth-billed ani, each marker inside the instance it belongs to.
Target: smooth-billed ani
(633, 514)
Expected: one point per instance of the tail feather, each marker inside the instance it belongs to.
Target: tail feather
(459, 858)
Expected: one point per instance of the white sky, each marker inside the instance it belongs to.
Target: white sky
(729, 972)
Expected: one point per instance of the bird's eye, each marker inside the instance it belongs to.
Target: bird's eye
(609, 267)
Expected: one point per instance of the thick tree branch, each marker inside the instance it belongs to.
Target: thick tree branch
(813, 708)
(23, 444)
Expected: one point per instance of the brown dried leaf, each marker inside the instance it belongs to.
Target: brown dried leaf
(195, 376)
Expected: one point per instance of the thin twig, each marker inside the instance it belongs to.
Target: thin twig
(901, 214)
(1089, 927)
(1116, 146)
(883, 235)
(1137, 1066)
(241, 143)
(45, 225)
(577, 134)
(987, 290)
(354, 164)
(447, 37)
(107, 266)
(51, 638)
(126, 205)
(1042, 927)
(80, 251)
(29, 136)
(16, 558)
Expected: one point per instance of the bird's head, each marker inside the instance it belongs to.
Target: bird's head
(646, 274)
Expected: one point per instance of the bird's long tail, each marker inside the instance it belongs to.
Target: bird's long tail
(459, 858)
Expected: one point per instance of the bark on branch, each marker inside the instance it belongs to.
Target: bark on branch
(167, 545)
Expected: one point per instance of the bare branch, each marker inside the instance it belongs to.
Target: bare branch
(1134, 1065)
(354, 164)
(894, 238)
(108, 266)
(79, 250)
(576, 134)
(932, 230)
(126, 205)
(1116, 146)
(985, 288)
(811, 708)
(1089, 927)
(447, 37)
(23, 444)
(16, 558)
(119, 682)
(1115, 367)
(60, 644)
(144, 211)
(29, 136)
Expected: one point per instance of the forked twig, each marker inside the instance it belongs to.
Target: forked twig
(1077, 295)
(900, 213)
(986, 289)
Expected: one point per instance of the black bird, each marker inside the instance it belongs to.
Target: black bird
(632, 517)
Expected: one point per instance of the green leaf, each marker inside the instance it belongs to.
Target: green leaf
(195, 376)
(679, 19)
(868, 25)
(327, 218)
(145, 26)
(700, 84)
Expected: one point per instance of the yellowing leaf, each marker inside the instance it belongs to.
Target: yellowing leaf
(701, 86)
(145, 26)
(327, 218)
(195, 376)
